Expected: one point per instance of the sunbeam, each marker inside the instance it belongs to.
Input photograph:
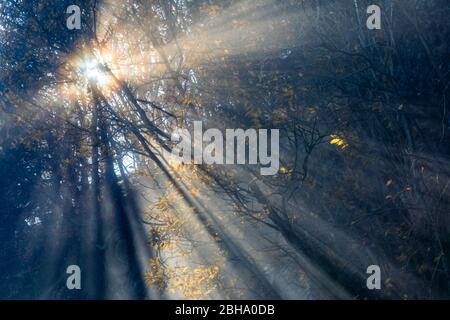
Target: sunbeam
(104, 169)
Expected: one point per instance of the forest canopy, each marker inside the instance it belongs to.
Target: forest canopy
(87, 117)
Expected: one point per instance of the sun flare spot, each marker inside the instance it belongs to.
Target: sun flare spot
(94, 72)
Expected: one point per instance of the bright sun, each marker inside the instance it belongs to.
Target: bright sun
(92, 70)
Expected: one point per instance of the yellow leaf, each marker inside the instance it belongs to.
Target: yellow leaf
(340, 142)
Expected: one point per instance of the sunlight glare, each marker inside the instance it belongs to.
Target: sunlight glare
(92, 70)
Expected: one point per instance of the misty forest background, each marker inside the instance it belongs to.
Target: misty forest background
(364, 149)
